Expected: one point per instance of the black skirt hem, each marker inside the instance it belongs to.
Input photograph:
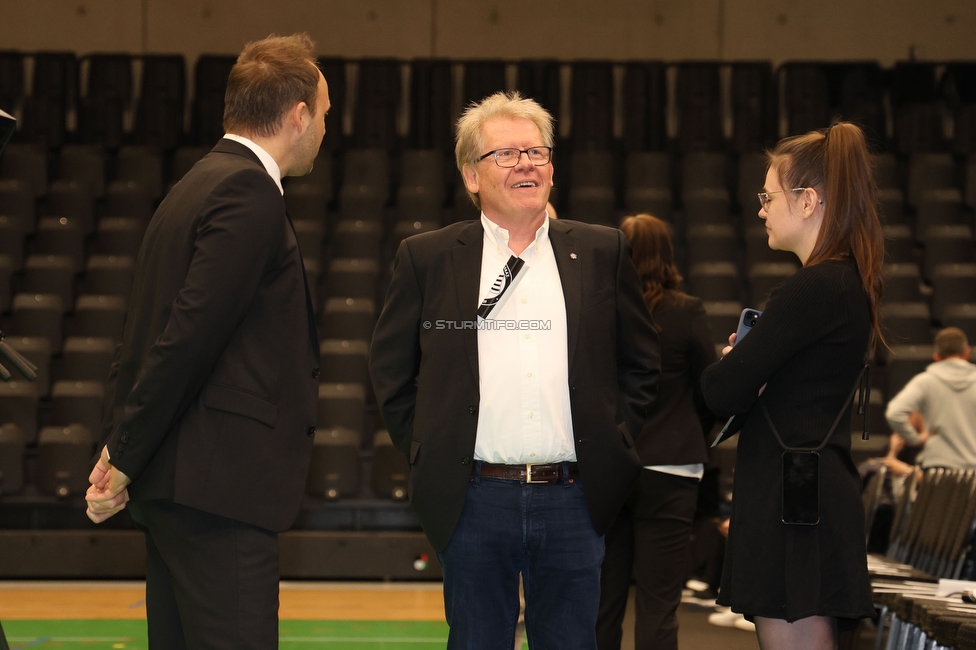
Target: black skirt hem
(845, 620)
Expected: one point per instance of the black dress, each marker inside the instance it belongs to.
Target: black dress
(807, 348)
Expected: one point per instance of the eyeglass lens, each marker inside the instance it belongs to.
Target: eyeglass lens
(510, 157)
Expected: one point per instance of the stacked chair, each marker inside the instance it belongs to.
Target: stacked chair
(931, 539)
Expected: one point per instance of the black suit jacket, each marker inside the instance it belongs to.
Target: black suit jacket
(679, 421)
(215, 383)
(426, 379)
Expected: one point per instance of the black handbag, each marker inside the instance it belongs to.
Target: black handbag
(801, 465)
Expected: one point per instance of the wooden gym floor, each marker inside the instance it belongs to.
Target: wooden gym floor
(353, 616)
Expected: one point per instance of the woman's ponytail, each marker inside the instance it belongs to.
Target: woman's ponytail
(837, 163)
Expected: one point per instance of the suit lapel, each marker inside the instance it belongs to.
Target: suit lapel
(467, 280)
(227, 146)
(565, 250)
(313, 334)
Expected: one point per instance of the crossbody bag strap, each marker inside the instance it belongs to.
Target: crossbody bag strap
(843, 409)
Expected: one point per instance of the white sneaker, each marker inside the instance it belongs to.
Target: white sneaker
(724, 617)
(742, 624)
(695, 598)
(696, 585)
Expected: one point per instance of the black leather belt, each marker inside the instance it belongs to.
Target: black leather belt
(530, 473)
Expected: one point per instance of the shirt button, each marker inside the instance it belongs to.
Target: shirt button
(465, 461)
(311, 431)
(525, 300)
(316, 373)
(528, 374)
(532, 455)
(472, 409)
(527, 335)
(531, 414)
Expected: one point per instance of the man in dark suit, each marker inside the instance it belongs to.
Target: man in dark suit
(513, 362)
(215, 383)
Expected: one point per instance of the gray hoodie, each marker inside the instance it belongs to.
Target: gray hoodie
(945, 394)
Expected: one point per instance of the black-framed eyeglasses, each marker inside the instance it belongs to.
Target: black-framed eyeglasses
(764, 197)
(510, 157)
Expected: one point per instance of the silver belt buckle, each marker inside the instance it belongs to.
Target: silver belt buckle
(528, 474)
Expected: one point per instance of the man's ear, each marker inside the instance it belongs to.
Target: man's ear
(470, 176)
(295, 117)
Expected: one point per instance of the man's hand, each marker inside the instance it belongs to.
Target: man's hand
(723, 526)
(895, 444)
(897, 467)
(917, 420)
(107, 494)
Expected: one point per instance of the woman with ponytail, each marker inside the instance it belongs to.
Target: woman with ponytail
(651, 536)
(796, 561)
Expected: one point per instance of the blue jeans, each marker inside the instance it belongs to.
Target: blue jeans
(542, 531)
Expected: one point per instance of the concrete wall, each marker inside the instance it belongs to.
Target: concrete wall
(565, 29)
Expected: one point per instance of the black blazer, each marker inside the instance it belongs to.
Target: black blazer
(426, 379)
(678, 422)
(215, 383)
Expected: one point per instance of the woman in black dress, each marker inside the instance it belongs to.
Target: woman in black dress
(652, 534)
(803, 584)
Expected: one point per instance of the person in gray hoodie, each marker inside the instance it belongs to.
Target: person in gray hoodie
(945, 396)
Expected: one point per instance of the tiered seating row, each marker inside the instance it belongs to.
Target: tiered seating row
(119, 98)
(75, 201)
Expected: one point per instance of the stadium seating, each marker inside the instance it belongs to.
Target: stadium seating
(103, 139)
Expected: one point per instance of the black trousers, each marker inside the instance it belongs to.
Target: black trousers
(211, 582)
(650, 540)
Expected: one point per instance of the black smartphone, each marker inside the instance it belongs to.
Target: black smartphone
(801, 488)
(747, 320)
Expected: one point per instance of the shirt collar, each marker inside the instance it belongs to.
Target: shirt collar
(498, 237)
(269, 163)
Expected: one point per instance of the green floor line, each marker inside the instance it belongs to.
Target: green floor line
(131, 634)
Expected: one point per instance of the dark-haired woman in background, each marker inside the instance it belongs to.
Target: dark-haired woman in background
(651, 536)
(803, 584)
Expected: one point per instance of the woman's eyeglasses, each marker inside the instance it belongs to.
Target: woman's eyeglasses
(764, 197)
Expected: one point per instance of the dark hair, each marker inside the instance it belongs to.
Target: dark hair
(653, 255)
(950, 342)
(270, 76)
(836, 163)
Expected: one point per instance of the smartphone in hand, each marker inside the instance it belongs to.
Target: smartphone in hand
(747, 320)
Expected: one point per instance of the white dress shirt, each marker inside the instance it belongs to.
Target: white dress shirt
(524, 415)
(696, 470)
(269, 163)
